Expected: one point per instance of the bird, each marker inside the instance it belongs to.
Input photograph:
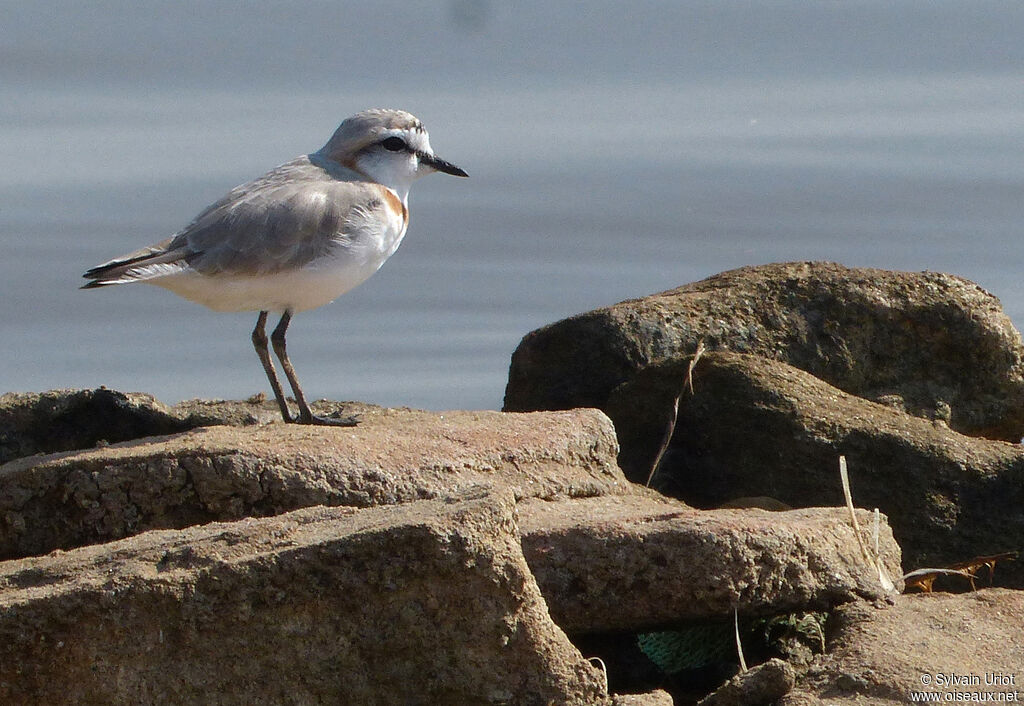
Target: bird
(295, 238)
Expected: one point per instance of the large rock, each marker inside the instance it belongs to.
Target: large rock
(754, 427)
(423, 603)
(633, 563)
(938, 345)
(224, 473)
(941, 647)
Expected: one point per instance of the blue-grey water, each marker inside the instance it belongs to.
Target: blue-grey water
(615, 149)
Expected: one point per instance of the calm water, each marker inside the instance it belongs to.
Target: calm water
(613, 153)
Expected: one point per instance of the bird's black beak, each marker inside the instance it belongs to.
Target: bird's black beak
(440, 165)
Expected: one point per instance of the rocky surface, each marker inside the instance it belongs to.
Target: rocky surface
(756, 427)
(937, 345)
(610, 555)
(427, 602)
(879, 654)
(223, 473)
(632, 563)
(915, 378)
(445, 557)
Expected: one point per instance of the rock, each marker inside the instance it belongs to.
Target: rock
(764, 684)
(633, 563)
(245, 413)
(881, 655)
(64, 420)
(935, 344)
(653, 698)
(754, 427)
(59, 420)
(225, 473)
(422, 603)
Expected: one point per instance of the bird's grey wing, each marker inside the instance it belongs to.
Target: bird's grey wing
(272, 226)
(285, 219)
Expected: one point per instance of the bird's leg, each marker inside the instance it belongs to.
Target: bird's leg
(259, 342)
(306, 416)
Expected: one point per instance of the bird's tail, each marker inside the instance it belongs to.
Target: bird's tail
(154, 261)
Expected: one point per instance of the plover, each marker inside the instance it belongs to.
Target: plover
(295, 238)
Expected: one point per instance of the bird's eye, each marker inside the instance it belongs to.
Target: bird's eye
(393, 144)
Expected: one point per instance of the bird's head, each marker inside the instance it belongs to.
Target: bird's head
(391, 147)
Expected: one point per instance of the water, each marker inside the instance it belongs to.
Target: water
(613, 152)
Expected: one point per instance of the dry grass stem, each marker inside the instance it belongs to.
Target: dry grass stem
(874, 532)
(844, 477)
(693, 364)
(739, 644)
(670, 427)
(604, 670)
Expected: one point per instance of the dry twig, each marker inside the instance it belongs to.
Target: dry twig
(670, 428)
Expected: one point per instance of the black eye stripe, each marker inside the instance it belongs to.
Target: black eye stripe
(394, 144)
